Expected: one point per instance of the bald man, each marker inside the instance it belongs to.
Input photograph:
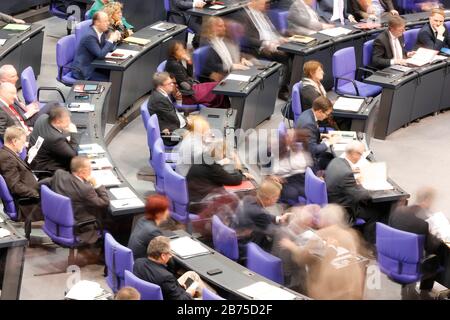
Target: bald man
(8, 115)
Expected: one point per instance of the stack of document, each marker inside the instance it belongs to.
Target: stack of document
(348, 104)
(422, 57)
(302, 39)
(374, 176)
(185, 247)
(100, 163)
(4, 233)
(121, 54)
(127, 203)
(136, 40)
(264, 291)
(90, 149)
(105, 177)
(84, 290)
(335, 32)
(238, 77)
(17, 27)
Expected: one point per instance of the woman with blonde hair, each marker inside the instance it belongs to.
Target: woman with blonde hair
(114, 12)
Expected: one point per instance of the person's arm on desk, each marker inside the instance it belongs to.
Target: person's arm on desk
(9, 19)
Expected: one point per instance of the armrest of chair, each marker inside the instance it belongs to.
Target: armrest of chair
(50, 89)
(363, 71)
(346, 79)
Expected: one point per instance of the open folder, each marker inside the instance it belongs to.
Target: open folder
(422, 57)
(185, 247)
(374, 176)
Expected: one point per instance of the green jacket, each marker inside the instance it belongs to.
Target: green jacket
(98, 5)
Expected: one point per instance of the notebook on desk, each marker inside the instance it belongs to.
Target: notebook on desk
(163, 26)
(17, 27)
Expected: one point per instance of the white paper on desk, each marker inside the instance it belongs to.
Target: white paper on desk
(422, 57)
(439, 58)
(238, 77)
(264, 291)
(186, 247)
(35, 149)
(216, 7)
(374, 176)
(335, 32)
(123, 54)
(105, 177)
(122, 193)
(82, 107)
(127, 203)
(84, 290)
(2, 41)
(100, 163)
(4, 233)
(439, 226)
(348, 104)
(92, 148)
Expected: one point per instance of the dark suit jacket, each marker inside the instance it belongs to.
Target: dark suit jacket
(161, 106)
(181, 74)
(158, 274)
(213, 63)
(144, 231)
(356, 10)
(90, 49)
(382, 52)
(325, 9)
(406, 219)
(308, 121)
(341, 185)
(7, 119)
(87, 203)
(307, 95)
(203, 179)
(427, 38)
(56, 152)
(180, 7)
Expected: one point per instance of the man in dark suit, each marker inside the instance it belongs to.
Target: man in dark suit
(8, 115)
(90, 201)
(318, 143)
(382, 7)
(60, 140)
(19, 178)
(261, 40)
(153, 269)
(94, 45)
(389, 46)
(434, 35)
(161, 104)
(412, 219)
(180, 16)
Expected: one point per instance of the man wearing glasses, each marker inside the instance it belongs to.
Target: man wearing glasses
(154, 269)
(161, 104)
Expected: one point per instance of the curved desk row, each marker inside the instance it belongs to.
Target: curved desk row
(23, 49)
(326, 46)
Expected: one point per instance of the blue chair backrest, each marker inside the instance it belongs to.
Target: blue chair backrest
(264, 263)
(344, 65)
(118, 258)
(296, 100)
(158, 163)
(315, 189)
(399, 253)
(29, 85)
(175, 187)
(447, 25)
(410, 37)
(367, 53)
(209, 295)
(198, 57)
(80, 30)
(145, 114)
(153, 129)
(9, 206)
(59, 221)
(65, 52)
(148, 291)
(224, 239)
(162, 66)
(279, 19)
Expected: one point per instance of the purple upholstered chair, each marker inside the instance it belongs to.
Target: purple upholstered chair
(118, 258)
(154, 133)
(367, 53)
(148, 290)
(282, 130)
(65, 52)
(209, 295)
(158, 163)
(399, 253)
(175, 187)
(296, 101)
(198, 57)
(264, 263)
(410, 37)
(315, 189)
(447, 25)
(184, 107)
(80, 30)
(279, 19)
(145, 114)
(30, 89)
(224, 239)
(344, 72)
(9, 207)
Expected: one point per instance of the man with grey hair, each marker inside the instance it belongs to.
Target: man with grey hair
(8, 115)
(161, 104)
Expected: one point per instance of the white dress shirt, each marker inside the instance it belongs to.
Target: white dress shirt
(396, 48)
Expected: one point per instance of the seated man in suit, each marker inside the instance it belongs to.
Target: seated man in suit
(90, 201)
(412, 219)
(318, 143)
(327, 11)
(434, 35)
(161, 104)
(9, 19)
(94, 45)
(370, 9)
(153, 268)
(8, 114)
(19, 178)
(180, 16)
(389, 46)
(253, 222)
(60, 140)
(262, 40)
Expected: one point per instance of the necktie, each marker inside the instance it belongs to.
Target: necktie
(19, 117)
